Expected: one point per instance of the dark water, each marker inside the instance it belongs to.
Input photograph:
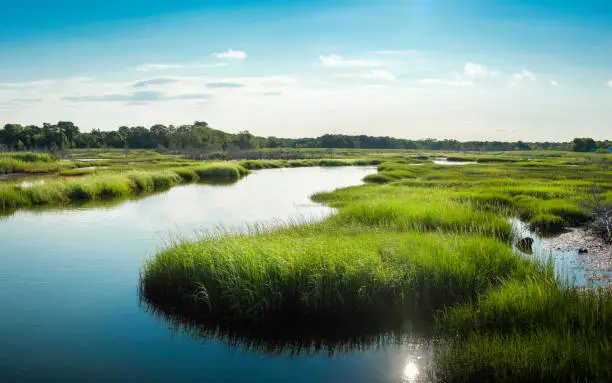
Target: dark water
(69, 291)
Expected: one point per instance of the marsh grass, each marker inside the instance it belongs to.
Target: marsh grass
(11, 165)
(255, 278)
(112, 185)
(535, 331)
(431, 239)
(27, 156)
(275, 164)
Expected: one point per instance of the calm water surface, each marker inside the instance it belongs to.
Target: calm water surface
(69, 281)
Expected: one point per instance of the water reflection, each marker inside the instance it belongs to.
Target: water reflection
(401, 348)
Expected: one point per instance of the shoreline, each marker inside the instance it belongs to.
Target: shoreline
(598, 257)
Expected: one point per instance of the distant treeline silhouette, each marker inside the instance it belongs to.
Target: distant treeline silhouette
(201, 137)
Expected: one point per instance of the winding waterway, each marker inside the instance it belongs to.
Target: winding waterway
(69, 290)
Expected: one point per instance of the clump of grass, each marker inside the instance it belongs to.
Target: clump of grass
(367, 161)
(459, 159)
(547, 223)
(329, 163)
(27, 156)
(421, 214)
(188, 174)
(254, 278)
(10, 165)
(302, 163)
(112, 185)
(220, 172)
(488, 160)
(388, 176)
(77, 172)
(256, 165)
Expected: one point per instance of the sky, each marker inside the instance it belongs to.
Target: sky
(537, 70)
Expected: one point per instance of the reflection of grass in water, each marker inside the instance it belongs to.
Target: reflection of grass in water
(298, 337)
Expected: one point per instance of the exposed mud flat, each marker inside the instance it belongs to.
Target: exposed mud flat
(598, 255)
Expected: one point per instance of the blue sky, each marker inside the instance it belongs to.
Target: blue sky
(507, 69)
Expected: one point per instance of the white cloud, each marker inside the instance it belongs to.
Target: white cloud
(609, 84)
(524, 76)
(457, 81)
(231, 54)
(159, 67)
(393, 52)
(473, 70)
(150, 67)
(373, 74)
(43, 83)
(335, 61)
(554, 83)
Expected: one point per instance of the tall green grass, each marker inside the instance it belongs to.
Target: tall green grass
(255, 278)
(111, 185)
(27, 156)
(536, 331)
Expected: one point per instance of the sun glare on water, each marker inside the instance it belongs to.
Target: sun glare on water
(411, 371)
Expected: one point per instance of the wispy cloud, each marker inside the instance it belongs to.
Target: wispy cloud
(373, 74)
(455, 81)
(155, 81)
(138, 97)
(26, 100)
(335, 61)
(272, 93)
(231, 54)
(160, 67)
(609, 84)
(392, 52)
(554, 83)
(43, 83)
(473, 70)
(522, 77)
(220, 84)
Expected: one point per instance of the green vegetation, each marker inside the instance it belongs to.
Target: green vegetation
(275, 164)
(112, 185)
(539, 331)
(29, 162)
(429, 239)
(254, 278)
(216, 144)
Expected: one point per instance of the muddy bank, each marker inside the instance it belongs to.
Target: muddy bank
(598, 255)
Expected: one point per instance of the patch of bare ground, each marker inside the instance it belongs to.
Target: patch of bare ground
(591, 249)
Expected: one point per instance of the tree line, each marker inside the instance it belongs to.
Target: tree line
(66, 135)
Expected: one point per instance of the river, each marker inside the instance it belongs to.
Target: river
(69, 290)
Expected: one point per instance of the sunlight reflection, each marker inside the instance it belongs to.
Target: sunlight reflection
(411, 371)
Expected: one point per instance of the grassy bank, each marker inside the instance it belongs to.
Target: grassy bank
(111, 185)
